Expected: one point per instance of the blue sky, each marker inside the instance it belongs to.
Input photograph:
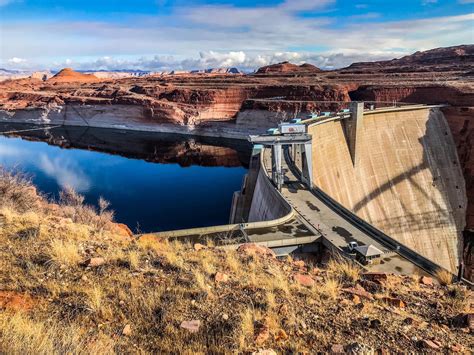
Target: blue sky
(163, 35)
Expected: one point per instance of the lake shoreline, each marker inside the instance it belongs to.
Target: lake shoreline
(124, 117)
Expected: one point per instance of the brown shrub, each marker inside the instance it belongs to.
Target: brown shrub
(17, 191)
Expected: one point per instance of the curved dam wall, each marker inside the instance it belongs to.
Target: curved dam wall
(267, 203)
(406, 179)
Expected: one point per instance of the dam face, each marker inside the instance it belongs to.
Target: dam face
(406, 179)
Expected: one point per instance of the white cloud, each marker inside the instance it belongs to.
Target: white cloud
(247, 61)
(223, 33)
(65, 172)
(466, 2)
(428, 2)
(16, 60)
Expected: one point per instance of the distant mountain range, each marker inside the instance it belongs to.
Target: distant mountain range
(6, 74)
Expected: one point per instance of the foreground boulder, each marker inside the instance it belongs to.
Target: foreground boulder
(255, 249)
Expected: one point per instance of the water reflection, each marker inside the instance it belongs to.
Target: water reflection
(65, 171)
(156, 181)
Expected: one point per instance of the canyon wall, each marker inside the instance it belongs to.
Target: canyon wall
(407, 180)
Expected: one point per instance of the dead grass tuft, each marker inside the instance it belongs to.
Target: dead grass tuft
(20, 334)
(344, 270)
(64, 253)
(444, 277)
(17, 192)
(73, 207)
(330, 289)
(458, 298)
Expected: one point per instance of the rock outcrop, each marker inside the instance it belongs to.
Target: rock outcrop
(287, 67)
(68, 75)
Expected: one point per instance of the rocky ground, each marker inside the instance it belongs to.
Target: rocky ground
(73, 281)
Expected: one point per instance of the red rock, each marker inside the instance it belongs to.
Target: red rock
(281, 335)
(127, 330)
(457, 348)
(265, 352)
(221, 277)
(337, 349)
(199, 246)
(123, 230)
(191, 325)
(286, 67)
(395, 302)
(255, 249)
(68, 75)
(470, 320)
(345, 302)
(356, 299)
(299, 263)
(430, 345)
(94, 262)
(377, 277)
(304, 280)
(427, 281)
(15, 301)
(262, 334)
(359, 291)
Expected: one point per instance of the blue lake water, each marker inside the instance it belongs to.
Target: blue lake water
(154, 182)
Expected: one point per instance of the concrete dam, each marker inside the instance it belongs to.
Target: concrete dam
(406, 179)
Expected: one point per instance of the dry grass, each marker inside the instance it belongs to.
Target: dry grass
(17, 192)
(444, 277)
(330, 289)
(233, 262)
(73, 207)
(95, 298)
(247, 328)
(134, 259)
(458, 298)
(345, 270)
(200, 281)
(153, 285)
(22, 335)
(64, 253)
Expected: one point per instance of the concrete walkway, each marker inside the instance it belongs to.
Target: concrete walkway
(332, 226)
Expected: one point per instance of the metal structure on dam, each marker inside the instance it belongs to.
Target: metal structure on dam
(385, 179)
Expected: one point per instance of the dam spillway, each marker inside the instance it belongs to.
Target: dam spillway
(406, 181)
